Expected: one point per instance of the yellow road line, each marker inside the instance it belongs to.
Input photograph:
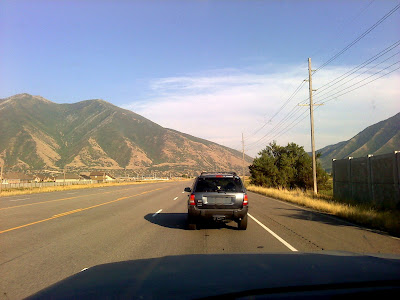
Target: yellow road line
(56, 200)
(78, 210)
(68, 212)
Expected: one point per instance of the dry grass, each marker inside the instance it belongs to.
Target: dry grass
(35, 190)
(388, 221)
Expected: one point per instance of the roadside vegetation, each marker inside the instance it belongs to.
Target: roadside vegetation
(364, 215)
(287, 167)
(35, 190)
(285, 173)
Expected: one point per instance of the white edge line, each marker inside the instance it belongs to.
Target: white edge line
(175, 198)
(273, 233)
(157, 212)
(21, 199)
(328, 216)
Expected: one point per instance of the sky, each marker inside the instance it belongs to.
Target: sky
(212, 69)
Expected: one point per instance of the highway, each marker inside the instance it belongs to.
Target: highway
(47, 237)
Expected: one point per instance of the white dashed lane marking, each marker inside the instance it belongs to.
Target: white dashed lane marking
(157, 212)
(21, 199)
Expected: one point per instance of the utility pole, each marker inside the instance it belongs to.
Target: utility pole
(243, 156)
(314, 163)
(64, 177)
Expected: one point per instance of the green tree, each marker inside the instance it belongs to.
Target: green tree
(287, 167)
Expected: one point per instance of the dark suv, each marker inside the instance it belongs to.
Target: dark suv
(217, 196)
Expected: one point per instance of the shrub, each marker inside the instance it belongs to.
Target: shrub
(287, 167)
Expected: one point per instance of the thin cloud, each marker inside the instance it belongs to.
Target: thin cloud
(222, 105)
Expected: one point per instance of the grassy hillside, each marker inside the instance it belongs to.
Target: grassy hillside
(94, 134)
(380, 138)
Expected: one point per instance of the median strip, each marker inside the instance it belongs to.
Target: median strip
(78, 210)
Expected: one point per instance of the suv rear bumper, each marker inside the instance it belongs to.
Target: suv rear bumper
(230, 214)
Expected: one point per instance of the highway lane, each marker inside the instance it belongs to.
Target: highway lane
(120, 223)
(46, 205)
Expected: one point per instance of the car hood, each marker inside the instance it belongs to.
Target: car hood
(198, 276)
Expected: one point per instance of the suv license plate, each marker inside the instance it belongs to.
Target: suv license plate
(218, 200)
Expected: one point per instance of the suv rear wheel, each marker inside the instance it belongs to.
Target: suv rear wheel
(242, 224)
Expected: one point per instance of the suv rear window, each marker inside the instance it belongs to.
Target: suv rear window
(212, 184)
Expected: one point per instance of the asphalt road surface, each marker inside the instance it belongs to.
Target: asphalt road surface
(47, 237)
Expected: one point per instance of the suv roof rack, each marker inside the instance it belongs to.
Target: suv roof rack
(220, 173)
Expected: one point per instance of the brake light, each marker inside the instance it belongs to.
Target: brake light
(245, 200)
(219, 176)
(191, 201)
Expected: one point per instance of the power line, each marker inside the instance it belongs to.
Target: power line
(358, 75)
(359, 38)
(293, 124)
(280, 109)
(295, 110)
(288, 100)
(365, 83)
(359, 81)
(291, 114)
(305, 112)
(344, 25)
(284, 130)
(355, 69)
(333, 99)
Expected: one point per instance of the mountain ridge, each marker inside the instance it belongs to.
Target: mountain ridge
(95, 134)
(379, 138)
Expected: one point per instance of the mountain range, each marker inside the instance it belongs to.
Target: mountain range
(39, 134)
(380, 138)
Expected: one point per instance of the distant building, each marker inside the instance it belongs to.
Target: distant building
(68, 177)
(17, 177)
(101, 176)
(44, 178)
(85, 176)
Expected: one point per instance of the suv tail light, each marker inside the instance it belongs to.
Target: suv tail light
(191, 200)
(245, 200)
